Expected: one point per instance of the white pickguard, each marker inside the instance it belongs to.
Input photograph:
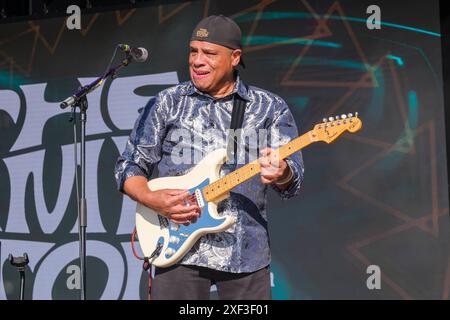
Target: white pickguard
(148, 226)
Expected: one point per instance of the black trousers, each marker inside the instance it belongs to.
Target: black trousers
(181, 282)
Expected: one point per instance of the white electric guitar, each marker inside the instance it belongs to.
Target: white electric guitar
(164, 242)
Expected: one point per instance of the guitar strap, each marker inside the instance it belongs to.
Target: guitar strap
(237, 118)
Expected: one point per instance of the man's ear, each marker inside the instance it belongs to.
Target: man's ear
(236, 57)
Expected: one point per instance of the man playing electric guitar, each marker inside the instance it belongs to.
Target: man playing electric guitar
(236, 259)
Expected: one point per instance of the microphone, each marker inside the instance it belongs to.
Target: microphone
(138, 54)
(68, 102)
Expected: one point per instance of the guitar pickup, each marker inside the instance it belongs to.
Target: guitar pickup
(199, 198)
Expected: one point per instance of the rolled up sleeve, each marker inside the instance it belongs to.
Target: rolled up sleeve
(143, 149)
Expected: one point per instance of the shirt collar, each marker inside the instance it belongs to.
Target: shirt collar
(240, 88)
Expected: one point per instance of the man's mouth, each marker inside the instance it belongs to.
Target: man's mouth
(200, 74)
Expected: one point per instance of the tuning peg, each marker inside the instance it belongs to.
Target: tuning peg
(338, 117)
(344, 116)
(356, 114)
(325, 120)
(331, 118)
(350, 115)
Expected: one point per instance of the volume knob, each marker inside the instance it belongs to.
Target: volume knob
(170, 251)
(174, 239)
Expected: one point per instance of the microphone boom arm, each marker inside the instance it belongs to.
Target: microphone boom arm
(84, 90)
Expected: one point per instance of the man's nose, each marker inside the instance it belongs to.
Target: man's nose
(199, 60)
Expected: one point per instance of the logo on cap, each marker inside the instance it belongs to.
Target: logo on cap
(202, 33)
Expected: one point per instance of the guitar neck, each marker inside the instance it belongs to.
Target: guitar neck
(223, 185)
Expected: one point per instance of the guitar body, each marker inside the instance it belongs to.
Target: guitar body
(165, 242)
(168, 242)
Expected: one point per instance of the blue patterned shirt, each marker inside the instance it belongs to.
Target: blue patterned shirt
(183, 120)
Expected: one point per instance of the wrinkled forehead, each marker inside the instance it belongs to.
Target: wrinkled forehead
(205, 45)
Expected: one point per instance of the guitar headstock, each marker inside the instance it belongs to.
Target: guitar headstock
(333, 127)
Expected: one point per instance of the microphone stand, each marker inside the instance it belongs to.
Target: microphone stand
(20, 263)
(79, 100)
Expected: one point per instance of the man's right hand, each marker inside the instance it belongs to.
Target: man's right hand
(170, 203)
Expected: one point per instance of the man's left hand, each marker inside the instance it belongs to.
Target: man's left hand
(273, 169)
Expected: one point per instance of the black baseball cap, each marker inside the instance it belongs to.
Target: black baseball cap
(219, 30)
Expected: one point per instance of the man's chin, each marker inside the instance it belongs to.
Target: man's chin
(200, 85)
